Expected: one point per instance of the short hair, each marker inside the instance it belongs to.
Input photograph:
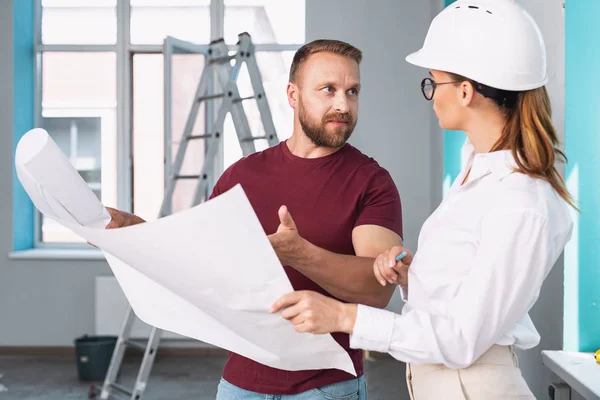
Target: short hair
(323, 45)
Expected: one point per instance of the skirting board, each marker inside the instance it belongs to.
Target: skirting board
(164, 351)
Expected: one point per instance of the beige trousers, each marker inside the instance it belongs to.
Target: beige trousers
(494, 376)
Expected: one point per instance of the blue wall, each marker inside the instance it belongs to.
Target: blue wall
(23, 53)
(453, 143)
(582, 143)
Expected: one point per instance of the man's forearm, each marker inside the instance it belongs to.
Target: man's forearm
(349, 278)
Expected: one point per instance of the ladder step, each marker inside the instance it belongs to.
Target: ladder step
(121, 389)
(137, 345)
(188, 177)
(253, 138)
(221, 60)
(111, 396)
(215, 41)
(211, 97)
(193, 137)
(244, 99)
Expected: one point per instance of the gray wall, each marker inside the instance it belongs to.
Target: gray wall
(395, 123)
(547, 314)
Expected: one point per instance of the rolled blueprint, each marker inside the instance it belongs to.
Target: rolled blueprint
(42, 169)
(207, 273)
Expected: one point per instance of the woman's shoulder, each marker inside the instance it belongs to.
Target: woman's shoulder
(531, 195)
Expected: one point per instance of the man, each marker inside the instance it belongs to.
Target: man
(346, 211)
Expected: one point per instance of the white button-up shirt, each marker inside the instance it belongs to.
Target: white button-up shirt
(481, 260)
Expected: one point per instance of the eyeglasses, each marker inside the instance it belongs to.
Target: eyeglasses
(428, 87)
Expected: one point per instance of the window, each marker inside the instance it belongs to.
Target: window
(79, 22)
(148, 130)
(152, 20)
(267, 21)
(100, 89)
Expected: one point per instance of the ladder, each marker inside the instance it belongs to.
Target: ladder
(225, 68)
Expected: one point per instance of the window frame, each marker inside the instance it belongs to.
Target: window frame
(124, 52)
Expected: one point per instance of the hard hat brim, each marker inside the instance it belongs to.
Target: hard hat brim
(418, 58)
(421, 59)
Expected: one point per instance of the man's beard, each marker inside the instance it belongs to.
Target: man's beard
(323, 137)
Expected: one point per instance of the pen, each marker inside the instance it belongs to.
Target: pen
(401, 256)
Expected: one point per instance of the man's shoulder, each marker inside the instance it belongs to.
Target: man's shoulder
(246, 168)
(365, 165)
(256, 158)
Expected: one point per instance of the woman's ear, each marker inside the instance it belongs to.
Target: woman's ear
(467, 92)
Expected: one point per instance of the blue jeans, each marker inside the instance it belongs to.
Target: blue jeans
(354, 389)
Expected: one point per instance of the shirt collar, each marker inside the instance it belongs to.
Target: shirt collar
(499, 163)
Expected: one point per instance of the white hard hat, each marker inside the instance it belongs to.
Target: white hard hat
(493, 42)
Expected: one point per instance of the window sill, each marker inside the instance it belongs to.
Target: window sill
(58, 254)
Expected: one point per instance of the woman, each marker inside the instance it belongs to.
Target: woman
(484, 253)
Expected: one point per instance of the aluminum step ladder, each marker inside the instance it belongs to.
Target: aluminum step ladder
(225, 68)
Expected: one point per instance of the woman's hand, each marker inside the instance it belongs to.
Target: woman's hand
(314, 313)
(388, 270)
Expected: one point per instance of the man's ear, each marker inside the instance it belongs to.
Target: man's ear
(292, 91)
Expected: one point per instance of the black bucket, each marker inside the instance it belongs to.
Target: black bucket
(93, 355)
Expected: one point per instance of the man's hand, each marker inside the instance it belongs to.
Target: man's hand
(386, 268)
(287, 242)
(314, 313)
(121, 219)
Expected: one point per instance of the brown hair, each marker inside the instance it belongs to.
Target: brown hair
(323, 45)
(529, 134)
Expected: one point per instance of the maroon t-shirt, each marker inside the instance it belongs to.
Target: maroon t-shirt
(327, 197)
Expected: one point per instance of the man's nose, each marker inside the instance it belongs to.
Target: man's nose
(341, 103)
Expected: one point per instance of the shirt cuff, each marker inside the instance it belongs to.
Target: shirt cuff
(404, 293)
(373, 329)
